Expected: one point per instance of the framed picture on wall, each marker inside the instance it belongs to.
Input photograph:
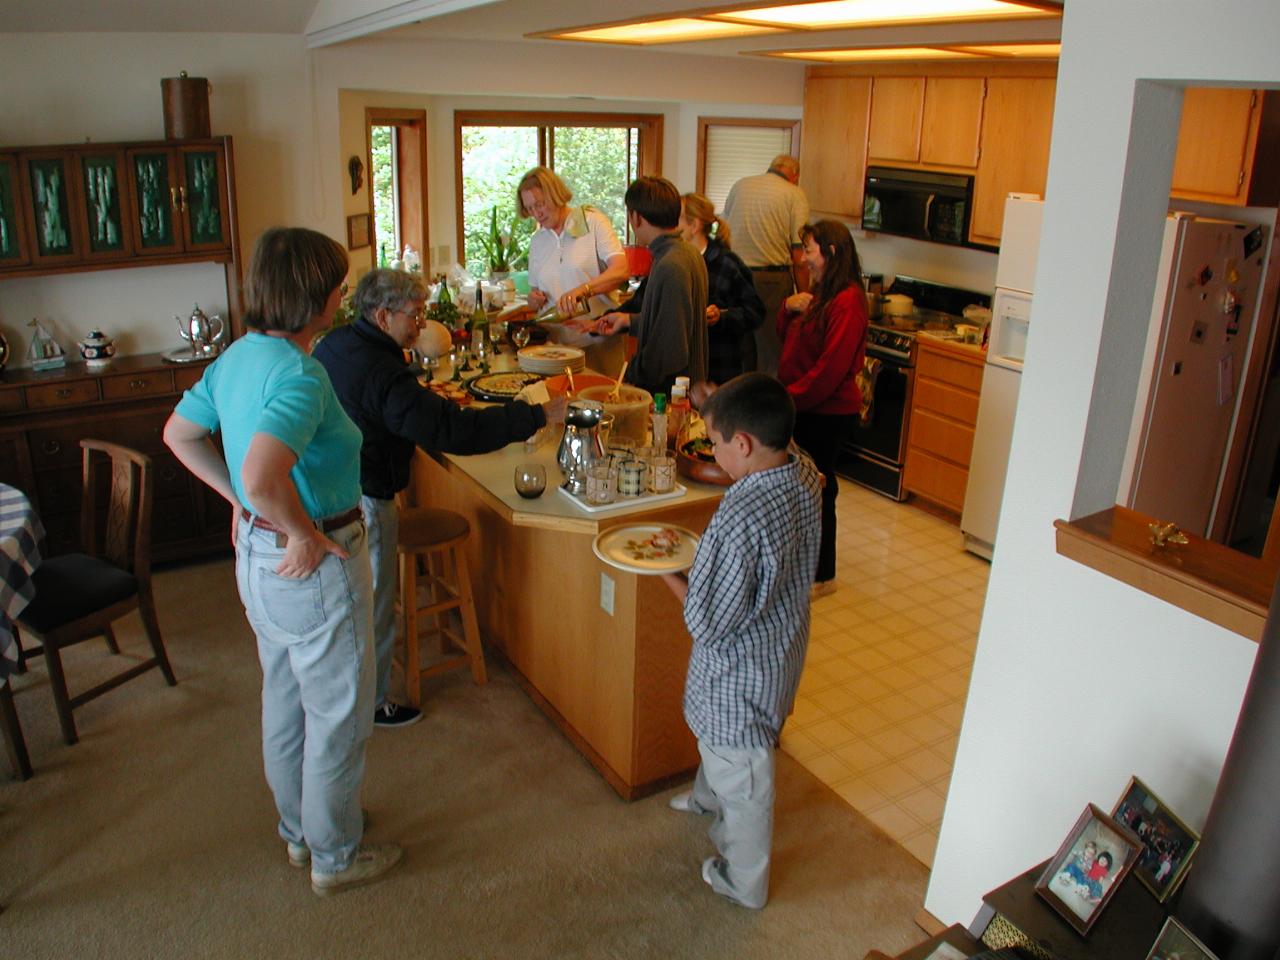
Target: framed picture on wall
(1084, 874)
(1167, 843)
(1177, 943)
(357, 231)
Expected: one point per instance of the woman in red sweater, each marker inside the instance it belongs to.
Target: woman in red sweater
(824, 338)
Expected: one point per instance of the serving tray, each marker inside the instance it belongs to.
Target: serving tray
(623, 502)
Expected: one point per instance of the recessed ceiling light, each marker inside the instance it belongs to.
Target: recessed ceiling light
(839, 14)
(674, 30)
(1043, 51)
(860, 54)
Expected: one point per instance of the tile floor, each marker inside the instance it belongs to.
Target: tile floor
(881, 698)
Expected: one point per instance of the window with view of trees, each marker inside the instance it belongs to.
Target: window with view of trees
(596, 155)
(397, 180)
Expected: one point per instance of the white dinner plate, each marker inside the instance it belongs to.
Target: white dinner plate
(619, 547)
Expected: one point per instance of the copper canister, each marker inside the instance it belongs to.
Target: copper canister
(186, 107)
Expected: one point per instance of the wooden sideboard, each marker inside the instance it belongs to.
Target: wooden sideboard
(43, 418)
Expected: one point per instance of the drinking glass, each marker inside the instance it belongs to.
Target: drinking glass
(662, 474)
(520, 335)
(601, 484)
(631, 482)
(531, 480)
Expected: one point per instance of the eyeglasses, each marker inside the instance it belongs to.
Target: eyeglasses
(413, 313)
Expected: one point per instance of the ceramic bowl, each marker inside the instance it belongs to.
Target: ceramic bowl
(703, 471)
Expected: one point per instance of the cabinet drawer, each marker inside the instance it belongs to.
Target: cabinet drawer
(941, 437)
(56, 446)
(173, 519)
(947, 400)
(65, 394)
(11, 401)
(934, 479)
(958, 373)
(185, 378)
(142, 431)
(58, 491)
(170, 477)
(126, 386)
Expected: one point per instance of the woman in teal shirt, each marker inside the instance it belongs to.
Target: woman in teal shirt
(290, 468)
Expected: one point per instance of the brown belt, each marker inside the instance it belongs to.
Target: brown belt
(326, 524)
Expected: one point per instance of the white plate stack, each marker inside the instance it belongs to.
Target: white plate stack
(551, 358)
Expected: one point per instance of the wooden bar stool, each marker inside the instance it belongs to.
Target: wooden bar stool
(431, 553)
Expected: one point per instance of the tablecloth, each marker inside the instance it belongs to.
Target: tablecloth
(21, 537)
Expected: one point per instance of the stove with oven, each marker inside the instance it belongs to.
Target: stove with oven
(874, 454)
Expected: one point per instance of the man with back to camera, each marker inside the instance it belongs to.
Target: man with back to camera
(671, 327)
(765, 213)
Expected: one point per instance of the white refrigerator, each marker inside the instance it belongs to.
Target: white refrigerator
(1001, 377)
(1201, 323)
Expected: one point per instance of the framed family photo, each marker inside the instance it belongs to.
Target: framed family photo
(1176, 943)
(1167, 843)
(1084, 874)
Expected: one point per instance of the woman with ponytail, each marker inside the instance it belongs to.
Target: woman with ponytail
(734, 309)
(824, 336)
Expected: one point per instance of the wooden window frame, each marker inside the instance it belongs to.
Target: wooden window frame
(704, 122)
(648, 160)
(411, 173)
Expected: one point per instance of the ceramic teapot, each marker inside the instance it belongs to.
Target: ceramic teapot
(204, 333)
(97, 349)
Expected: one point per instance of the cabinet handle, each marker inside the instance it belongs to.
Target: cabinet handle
(65, 393)
(169, 473)
(138, 384)
(173, 198)
(182, 196)
(52, 447)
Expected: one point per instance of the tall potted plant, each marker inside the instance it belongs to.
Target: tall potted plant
(502, 250)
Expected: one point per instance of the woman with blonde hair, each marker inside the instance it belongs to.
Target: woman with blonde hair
(734, 309)
(574, 256)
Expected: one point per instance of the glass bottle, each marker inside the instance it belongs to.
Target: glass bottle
(660, 421)
(481, 345)
(679, 409)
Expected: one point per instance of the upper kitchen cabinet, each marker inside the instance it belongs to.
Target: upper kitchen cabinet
(1017, 122)
(13, 219)
(179, 199)
(833, 148)
(79, 207)
(1228, 147)
(932, 121)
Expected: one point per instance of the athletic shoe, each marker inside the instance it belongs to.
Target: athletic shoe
(394, 715)
(369, 865)
(684, 803)
(300, 853)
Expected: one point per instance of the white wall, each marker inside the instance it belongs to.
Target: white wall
(281, 104)
(1079, 680)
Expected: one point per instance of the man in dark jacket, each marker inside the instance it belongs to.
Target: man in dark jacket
(380, 392)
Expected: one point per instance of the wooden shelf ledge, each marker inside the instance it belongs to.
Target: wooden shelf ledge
(1221, 585)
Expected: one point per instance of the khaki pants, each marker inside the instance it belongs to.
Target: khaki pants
(774, 286)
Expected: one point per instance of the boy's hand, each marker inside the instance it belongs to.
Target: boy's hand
(679, 584)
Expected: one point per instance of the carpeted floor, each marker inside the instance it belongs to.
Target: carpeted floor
(155, 835)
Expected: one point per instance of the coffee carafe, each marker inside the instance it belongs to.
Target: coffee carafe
(580, 447)
(204, 333)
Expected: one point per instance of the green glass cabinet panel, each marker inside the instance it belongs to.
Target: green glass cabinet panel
(50, 209)
(102, 204)
(203, 210)
(155, 221)
(10, 249)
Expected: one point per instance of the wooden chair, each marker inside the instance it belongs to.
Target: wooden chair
(79, 595)
(14, 744)
(434, 541)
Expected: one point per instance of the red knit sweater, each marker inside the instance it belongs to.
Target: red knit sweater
(820, 358)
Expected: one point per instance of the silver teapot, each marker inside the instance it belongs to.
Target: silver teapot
(580, 446)
(205, 334)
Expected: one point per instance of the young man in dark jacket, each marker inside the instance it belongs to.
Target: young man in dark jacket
(366, 362)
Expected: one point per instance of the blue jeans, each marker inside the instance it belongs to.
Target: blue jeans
(383, 522)
(317, 687)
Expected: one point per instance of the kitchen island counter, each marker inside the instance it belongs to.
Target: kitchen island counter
(602, 651)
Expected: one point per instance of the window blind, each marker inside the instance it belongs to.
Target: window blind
(734, 152)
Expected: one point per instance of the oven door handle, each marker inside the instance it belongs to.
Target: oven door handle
(928, 206)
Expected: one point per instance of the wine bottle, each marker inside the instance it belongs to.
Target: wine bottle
(479, 323)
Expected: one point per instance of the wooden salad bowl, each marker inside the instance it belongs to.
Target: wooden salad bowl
(695, 468)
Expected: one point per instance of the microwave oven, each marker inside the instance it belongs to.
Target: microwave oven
(920, 204)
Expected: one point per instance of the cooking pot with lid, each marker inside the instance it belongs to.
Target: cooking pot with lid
(898, 305)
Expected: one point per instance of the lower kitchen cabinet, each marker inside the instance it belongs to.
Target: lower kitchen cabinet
(944, 412)
(43, 418)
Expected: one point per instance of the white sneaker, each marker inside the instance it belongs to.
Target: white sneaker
(300, 853)
(684, 803)
(370, 863)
